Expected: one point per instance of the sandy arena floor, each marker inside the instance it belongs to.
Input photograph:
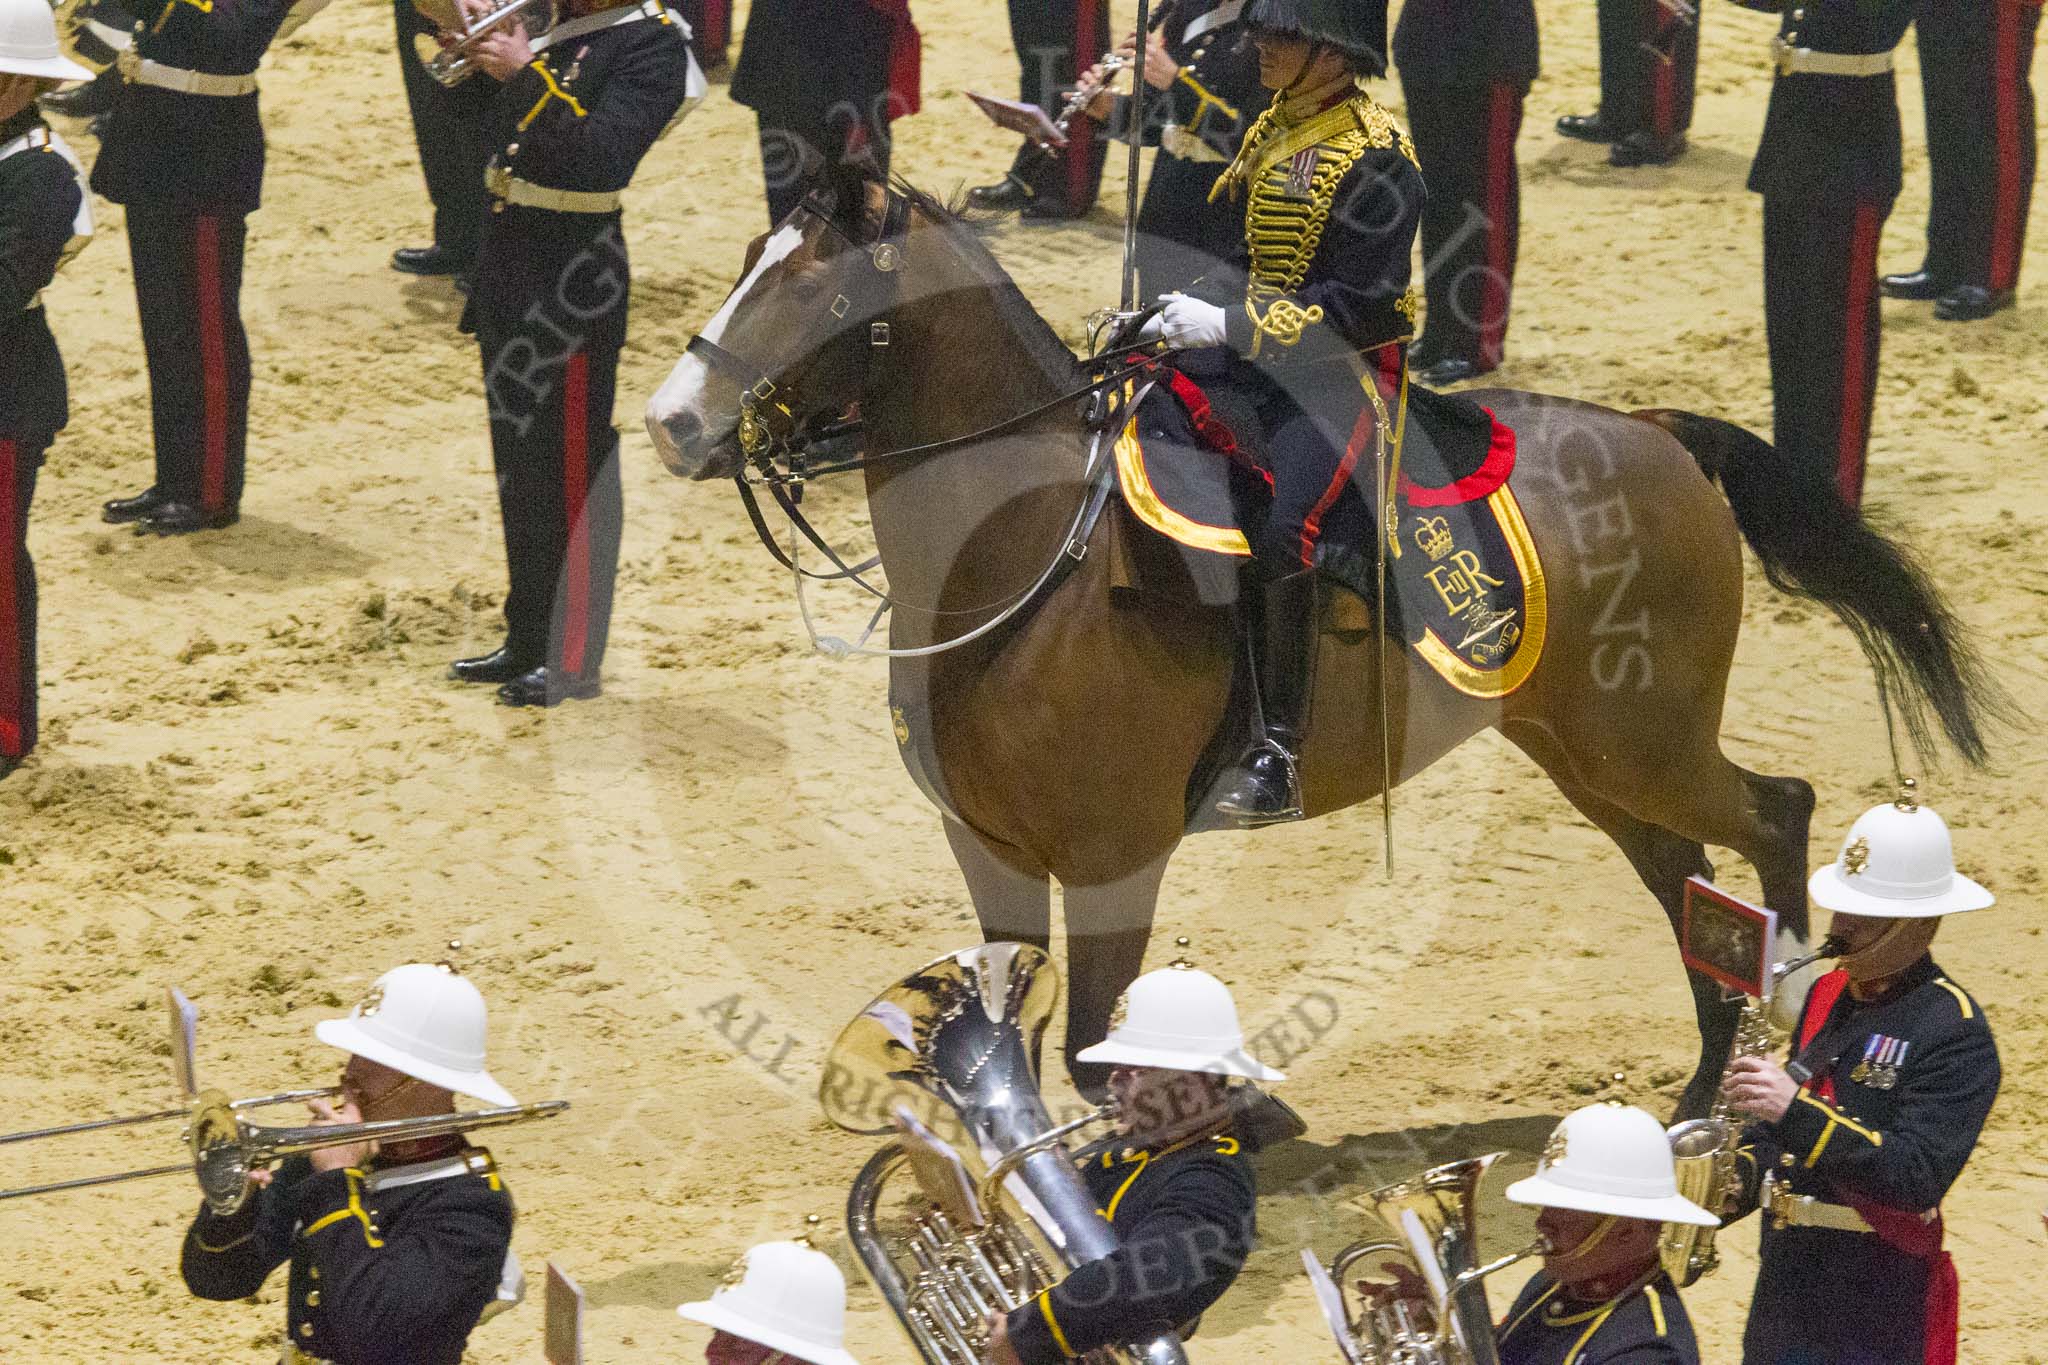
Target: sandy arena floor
(256, 783)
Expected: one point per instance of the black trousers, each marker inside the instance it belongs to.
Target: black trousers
(1472, 225)
(1976, 65)
(556, 455)
(1806, 1275)
(1649, 65)
(188, 289)
(20, 459)
(796, 152)
(1056, 40)
(452, 130)
(710, 24)
(1821, 317)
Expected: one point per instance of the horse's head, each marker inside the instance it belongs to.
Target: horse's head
(787, 347)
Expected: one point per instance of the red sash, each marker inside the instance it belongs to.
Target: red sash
(1903, 1232)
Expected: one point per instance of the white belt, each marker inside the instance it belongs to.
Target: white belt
(1788, 1210)
(142, 71)
(1792, 61)
(508, 188)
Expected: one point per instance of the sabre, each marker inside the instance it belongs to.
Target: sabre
(1137, 135)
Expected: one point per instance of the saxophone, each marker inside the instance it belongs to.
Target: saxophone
(1703, 1150)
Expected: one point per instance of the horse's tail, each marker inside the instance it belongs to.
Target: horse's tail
(1812, 544)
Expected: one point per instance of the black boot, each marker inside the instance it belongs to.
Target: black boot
(121, 511)
(1265, 787)
(501, 665)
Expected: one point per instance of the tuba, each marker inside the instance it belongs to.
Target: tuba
(1433, 1220)
(1703, 1150)
(955, 1046)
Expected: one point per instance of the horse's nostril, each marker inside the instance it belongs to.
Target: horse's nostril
(686, 429)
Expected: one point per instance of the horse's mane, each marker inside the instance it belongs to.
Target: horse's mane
(965, 230)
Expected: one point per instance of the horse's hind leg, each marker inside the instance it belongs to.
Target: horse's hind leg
(1663, 860)
(1108, 927)
(1012, 899)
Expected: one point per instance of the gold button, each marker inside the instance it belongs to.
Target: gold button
(314, 1271)
(312, 1298)
(305, 1329)
(1786, 1160)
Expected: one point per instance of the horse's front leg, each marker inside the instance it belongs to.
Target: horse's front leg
(1108, 927)
(1012, 895)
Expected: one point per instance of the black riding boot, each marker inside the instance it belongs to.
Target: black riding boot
(1265, 787)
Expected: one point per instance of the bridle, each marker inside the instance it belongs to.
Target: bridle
(776, 441)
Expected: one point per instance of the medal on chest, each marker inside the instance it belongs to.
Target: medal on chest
(1301, 174)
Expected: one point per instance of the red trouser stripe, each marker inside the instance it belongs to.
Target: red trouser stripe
(1500, 225)
(717, 25)
(1390, 359)
(1663, 66)
(213, 365)
(1087, 42)
(10, 615)
(1858, 296)
(575, 485)
(2005, 213)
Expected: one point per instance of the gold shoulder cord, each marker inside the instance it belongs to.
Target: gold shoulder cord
(1283, 232)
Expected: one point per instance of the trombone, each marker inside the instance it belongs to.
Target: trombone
(225, 1147)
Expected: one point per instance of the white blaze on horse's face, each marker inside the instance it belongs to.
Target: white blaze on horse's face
(1790, 996)
(685, 433)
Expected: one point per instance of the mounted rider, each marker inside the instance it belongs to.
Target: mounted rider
(1301, 349)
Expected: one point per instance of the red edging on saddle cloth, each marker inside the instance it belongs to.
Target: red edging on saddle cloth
(1215, 434)
(1903, 1232)
(1480, 483)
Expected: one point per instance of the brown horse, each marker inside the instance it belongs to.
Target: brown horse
(1062, 743)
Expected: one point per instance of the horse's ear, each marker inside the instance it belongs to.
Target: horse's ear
(861, 201)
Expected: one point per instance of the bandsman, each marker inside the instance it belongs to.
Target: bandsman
(1204, 77)
(183, 151)
(1176, 1181)
(1649, 70)
(1055, 40)
(1828, 170)
(44, 218)
(787, 1304)
(1604, 1187)
(710, 24)
(825, 106)
(1858, 1137)
(1976, 71)
(576, 111)
(396, 1251)
(1465, 71)
(451, 129)
(1285, 344)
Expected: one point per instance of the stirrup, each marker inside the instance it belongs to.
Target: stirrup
(1283, 801)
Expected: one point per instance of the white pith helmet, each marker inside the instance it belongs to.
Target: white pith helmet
(1180, 1019)
(1613, 1159)
(28, 43)
(792, 1299)
(1897, 863)
(426, 1021)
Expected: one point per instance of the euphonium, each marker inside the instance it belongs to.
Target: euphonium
(959, 1040)
(1703, 1150)
(1433, 1220)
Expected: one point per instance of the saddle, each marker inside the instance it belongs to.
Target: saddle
(1464, 585)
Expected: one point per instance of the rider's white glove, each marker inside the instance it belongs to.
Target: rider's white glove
(1185, 323)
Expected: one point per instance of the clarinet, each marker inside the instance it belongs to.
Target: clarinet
(1111, 63)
